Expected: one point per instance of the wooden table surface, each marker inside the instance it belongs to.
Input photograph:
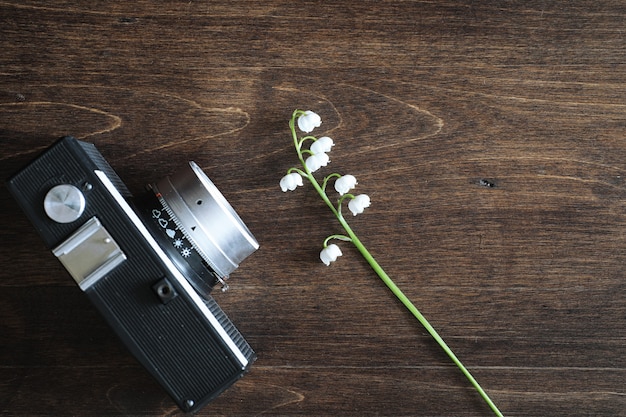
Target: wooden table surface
(490, 136)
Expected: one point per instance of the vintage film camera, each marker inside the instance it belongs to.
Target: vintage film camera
(148, 264)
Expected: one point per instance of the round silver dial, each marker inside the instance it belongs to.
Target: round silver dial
(64, 203)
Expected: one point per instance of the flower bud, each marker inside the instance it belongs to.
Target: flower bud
(290, 181)
(309, 121)
(330, 253)
(315, 162)
(345, 184)
(323, 144)
(359, 203)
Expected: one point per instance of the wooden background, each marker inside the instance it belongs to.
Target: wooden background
(490, 135)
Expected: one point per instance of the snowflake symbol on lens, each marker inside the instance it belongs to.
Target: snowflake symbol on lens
(186, 252)
(178, 243)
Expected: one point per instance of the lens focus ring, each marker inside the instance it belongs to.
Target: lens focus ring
(206, 218)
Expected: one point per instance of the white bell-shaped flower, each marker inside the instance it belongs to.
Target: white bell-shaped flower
(290, 181)
(323, 144)
(316, 161)
(345, 184)
(359, 203)
(309, 121)
(330, 253)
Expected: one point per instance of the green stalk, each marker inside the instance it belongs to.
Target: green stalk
(418, 315)
(381, 272)
(403, 298)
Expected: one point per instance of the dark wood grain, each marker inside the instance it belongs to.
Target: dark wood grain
(491, 137)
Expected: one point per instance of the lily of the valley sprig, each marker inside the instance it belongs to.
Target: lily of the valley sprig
(313, 155)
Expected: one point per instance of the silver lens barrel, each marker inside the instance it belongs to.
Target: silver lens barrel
(205, 217)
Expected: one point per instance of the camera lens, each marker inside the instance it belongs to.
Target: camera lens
(198, 227)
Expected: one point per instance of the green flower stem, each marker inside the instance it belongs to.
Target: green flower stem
(418, 315)
(296, 142)
(304, 139)
(340, 201)
(326, 179)
(338, 237)
(402, 297)
(380, 271)
(299, 171)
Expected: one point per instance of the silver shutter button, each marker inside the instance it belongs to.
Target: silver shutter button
(64, 203)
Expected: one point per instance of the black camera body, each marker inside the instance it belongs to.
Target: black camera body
(147, 264)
